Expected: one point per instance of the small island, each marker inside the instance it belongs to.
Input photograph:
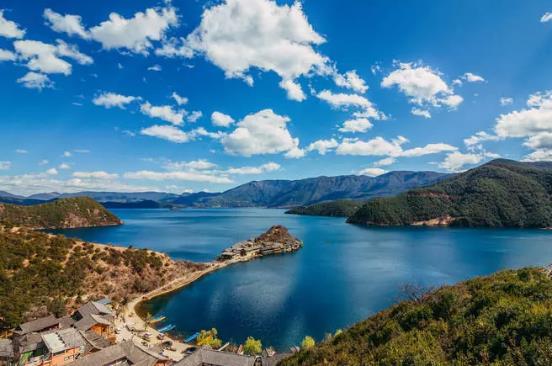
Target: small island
(275, 240)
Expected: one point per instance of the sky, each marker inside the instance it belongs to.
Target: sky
(185, 96)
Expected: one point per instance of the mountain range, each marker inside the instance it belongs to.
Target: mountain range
(265, 193)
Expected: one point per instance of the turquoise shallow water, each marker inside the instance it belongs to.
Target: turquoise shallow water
(343, 274)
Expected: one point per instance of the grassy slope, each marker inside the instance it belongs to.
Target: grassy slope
(41, 272)
(62, 213)
(498, 194)
(503, 319)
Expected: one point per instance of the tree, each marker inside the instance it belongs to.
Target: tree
(209, 338)
(252, 346)
(308, 343)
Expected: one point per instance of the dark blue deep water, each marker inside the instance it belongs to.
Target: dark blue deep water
(343, 274)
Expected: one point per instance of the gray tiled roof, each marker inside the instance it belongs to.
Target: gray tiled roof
(211, 357)
(89, 320)
(6, 348)
(64, 339)
(37, 325)
(119, 352)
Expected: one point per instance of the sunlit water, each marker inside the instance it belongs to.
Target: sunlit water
(343, 274)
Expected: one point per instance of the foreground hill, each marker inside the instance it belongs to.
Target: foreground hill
(501, 193)
(503, 319)
(41, 273)
(62, 213)
(291, 193)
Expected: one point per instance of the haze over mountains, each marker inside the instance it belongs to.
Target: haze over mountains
(267, 193)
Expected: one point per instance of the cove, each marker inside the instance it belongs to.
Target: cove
(343, 274)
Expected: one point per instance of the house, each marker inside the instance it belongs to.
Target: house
(122, 354)
(95, 317)
(209, 357)
(6, 352)
(40, 325)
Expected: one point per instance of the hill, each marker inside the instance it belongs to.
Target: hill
(41, 273)
(501, 193)
(291, 193)
(503, 319)
(339, 208)
(61, 213)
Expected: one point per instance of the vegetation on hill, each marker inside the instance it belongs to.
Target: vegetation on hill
(340, 208)
(58, 214)
(501, 193)
(42, 273)
(503, 319)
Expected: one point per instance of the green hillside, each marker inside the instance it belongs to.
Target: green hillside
(340, 208)
(62, 213)
(502, 193)
(503, 319)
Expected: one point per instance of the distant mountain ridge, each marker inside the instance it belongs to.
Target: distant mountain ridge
(266, 193)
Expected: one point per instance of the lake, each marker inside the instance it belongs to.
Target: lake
(343, 274)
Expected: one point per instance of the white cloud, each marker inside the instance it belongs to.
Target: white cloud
(5, 165)
(178, 176)
(384, 162)
(96, 175)
(547, 17)
(155, 67)
(43, 162)
(372, 172)
(137, 33)
(293, 89)
(169, 133)
(174, 47)
(268, 167)
(239, 35)
(351, 80)
(478, 138)
(179, 99)
(540, 141)
(200, 164)
(67, 154)
(539, 155)
(456, 160)
(110, 100)
(527, 122)
(164, 112)
(379, 146)
(9, 29)
(194, 116)
(69, 24)
(356, 125)
(6, 55)
(221, 119)
(21, 151)
(201, 131)
(421, 112)
(504, 101)
(345, 101)
(35, 80)
(473, 78)
(323, 146)
(422, 85)
(46, 58)
(64, 166)
(52, 171)
(264, 132)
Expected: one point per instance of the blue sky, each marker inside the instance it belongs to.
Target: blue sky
(204, 95)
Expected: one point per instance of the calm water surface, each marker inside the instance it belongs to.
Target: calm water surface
(343, 274)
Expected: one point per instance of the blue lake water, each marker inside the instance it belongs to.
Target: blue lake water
(343, 274)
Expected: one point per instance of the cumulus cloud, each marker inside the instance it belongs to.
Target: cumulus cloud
(110, 100)
(178, 176)
(421, 112)
(478, 138)
(9, 28)
(504, 101)
(379, 146)
(137, 33)
(169, 133)
(372, 172)
(351, 80)
(96, 175)
(346, 101)
(422, 85)
(239, 35)
(264, 132)
(47, 58)
(194, 116)
(384, 162)
(547, 17)
(69, 24)
(200, 164)
(356, 125)
(323, 146)
(250, 170)
(35, 80)
(473, 78)
(64, 166)
(164, 112)
(6, 55)
(220, 119)
(534, 119)
(456, 161)
(174, 47)
(179, 99)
